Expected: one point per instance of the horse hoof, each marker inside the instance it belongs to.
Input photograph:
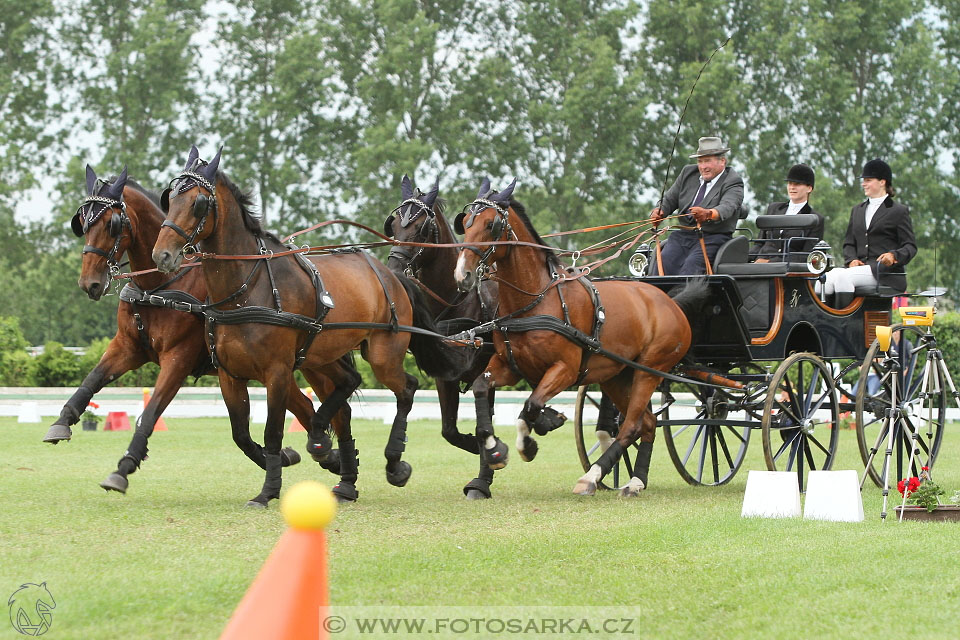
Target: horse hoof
(632, 489)
(58, 432)
(321, 448)
(530, 448)
(548, 420)
(289, 456)
(400, 475)
(585, 487)
(345, 492)
(115, 482)
(477, 489)
(496, 457)
(255, 504)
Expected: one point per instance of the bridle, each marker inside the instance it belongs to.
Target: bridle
(429, 232)
(81, 225)
(201, 206)
(499, 228)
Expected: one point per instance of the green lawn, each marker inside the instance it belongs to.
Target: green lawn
(172, 558)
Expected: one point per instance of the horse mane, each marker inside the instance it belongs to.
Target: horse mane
(251, 220)
(439, 206)
(521, 211)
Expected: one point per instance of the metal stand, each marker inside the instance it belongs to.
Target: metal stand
(935, 374)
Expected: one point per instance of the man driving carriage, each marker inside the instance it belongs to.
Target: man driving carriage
(708, 194)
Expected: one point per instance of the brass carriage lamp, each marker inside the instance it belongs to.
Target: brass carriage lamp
(820, 259)
(884, 334)
(639, 261)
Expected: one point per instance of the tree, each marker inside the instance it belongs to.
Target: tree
(135, 73)
(26, 67)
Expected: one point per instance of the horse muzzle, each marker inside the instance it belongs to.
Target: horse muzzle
(167, 261)
(94, 287)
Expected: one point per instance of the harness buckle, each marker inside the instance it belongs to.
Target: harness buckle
(155, 300)
(188, 251)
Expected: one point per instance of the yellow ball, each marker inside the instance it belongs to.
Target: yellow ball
(308, 505)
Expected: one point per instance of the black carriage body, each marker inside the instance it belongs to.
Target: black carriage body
(767, 318)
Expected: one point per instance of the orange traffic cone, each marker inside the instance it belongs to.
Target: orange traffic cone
(117, 421)
(159, 425)
(295, 425)
(285, 599)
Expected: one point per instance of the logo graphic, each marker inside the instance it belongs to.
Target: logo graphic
(794, 298)
(30, 607)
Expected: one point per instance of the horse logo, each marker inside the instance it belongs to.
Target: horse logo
(30, 607)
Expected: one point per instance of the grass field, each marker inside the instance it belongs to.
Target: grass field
(172, 558)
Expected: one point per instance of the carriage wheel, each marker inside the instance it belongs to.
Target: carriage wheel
(709, 448)
(588, 445)
(800, 417)
(923, 411)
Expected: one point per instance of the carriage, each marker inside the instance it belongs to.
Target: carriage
(777, 358)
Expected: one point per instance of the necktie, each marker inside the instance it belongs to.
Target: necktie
(699, 197)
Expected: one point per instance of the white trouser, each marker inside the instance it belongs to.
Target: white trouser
(846, 280)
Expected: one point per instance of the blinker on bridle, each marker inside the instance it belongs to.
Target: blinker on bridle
(409, 210)
(201, 206)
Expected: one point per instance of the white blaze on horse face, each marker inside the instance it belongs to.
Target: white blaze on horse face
(460, 273)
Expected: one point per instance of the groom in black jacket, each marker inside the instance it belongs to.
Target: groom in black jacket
(708, 194)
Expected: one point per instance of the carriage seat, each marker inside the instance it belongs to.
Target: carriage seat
(733, 259)
(878, 290)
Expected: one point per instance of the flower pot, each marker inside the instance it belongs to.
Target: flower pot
(947, 513)
(89, 425)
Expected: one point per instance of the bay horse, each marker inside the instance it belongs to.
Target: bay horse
(419, 218)
(557, 330)
(119, 217)
(273, 314)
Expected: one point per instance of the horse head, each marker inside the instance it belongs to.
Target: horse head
(486, 219)
(106, 242)
(418, 219)
(189, 203)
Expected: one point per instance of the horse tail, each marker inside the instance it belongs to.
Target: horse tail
(692, 298)
(436, 358)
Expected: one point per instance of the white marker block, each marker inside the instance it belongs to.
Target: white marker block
(28, 412)
(833, 495)
(771, 494)
(258, 413)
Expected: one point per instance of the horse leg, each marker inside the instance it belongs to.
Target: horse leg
(174, 368)
(493, 451)
(641, 466)
(121, 356)
(337, 383)
(277, 382)
(448, 394)
(398, 471)
(636, 400)
(556, 379)
(385, 353)
(301, 407)
(345, 381)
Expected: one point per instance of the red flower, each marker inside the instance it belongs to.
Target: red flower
(93, 404)
(911, 485)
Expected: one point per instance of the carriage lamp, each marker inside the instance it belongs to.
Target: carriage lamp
(639, 261)
(883, 337)
(820, 259)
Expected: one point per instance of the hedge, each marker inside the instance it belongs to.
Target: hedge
(57, 367)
